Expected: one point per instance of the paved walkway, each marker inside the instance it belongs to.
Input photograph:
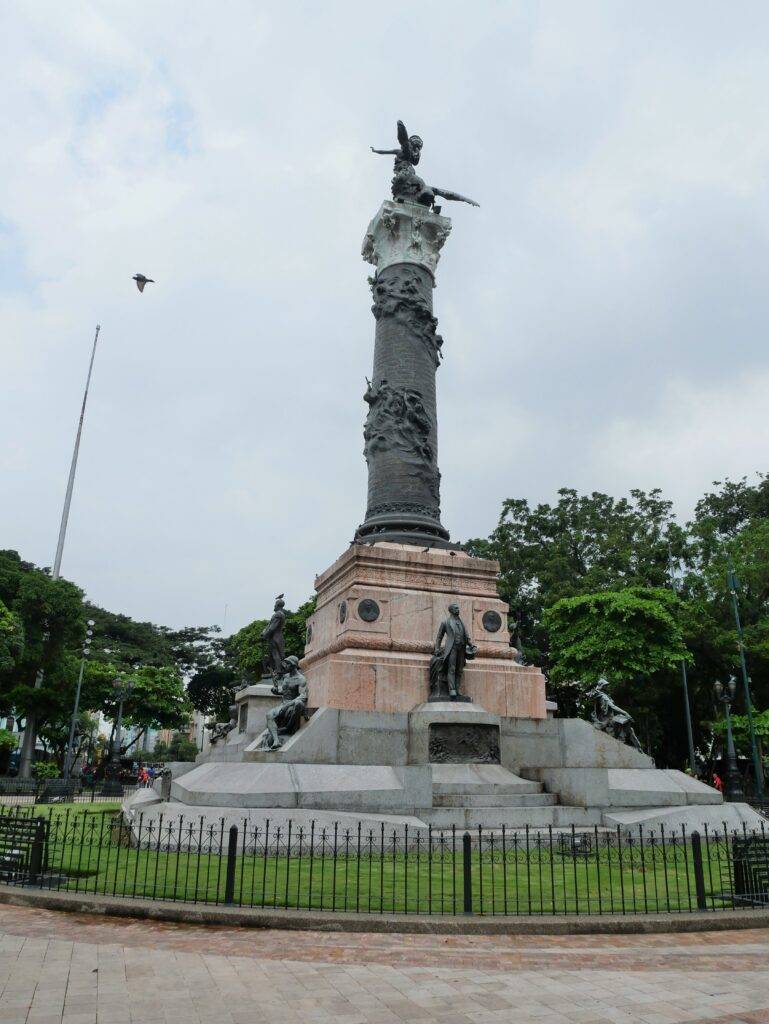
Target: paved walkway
(86, 969)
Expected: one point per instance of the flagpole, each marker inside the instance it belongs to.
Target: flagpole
(30, 726)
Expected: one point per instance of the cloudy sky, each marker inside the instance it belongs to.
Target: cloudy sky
(604, 312)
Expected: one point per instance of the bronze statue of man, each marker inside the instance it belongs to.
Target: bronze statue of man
(406, 183)
(274, 649)
(448, 664)
(610, 718)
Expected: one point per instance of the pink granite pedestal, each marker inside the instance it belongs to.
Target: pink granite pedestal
(372, 635)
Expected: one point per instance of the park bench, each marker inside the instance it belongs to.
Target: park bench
(750, 860)
(23, 848)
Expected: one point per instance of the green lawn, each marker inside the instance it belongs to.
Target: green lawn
(91, 852)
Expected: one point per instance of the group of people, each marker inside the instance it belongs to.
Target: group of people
(147, 775)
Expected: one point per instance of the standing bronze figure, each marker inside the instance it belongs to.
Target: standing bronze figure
(406, 183)
(274, 650)
(448, 664)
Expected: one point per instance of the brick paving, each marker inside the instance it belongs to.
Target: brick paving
(58, 968)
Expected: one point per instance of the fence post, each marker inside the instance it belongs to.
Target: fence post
(699, 874)
(36, 852)
(232, 849)
(467, 873)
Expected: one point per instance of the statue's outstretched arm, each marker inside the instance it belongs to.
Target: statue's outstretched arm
(453, 196)
(385, 152)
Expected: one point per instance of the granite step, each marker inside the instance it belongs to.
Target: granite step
(555, 816)
(479, 779)
(494, 799)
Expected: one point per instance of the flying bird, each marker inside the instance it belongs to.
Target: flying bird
(141, 280)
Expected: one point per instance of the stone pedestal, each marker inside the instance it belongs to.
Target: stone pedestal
(253, 704)
(370, 641)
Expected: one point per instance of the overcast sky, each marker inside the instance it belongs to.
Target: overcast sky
(604, 312)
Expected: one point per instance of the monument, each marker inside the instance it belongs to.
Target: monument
(380, 605)
(411, 705)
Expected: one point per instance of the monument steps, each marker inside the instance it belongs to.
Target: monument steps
(480, 779)
(494, 799)
(553, 815)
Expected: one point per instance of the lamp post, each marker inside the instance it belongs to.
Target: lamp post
(684, 682)
(73, 723)
(112, 784)
(758, 770)
(30, 725)
(732, 782)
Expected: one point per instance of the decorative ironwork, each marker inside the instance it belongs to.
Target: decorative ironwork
(383, 868)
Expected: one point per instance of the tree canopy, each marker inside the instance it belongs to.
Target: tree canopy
(624, 635)
(593, 544)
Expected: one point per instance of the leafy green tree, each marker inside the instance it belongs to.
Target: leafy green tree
(210, 690)
(11, 639)
(120, 640)
(51, 616)
(632, 637)
(156, 700)
(629, 634)
(9, 741)
(580, 545)
(181, 748)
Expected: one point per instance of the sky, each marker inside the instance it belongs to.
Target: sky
(604, 312)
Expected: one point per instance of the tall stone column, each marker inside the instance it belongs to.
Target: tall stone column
(403, 241)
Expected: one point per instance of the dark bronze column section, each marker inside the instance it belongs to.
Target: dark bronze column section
(401, 435)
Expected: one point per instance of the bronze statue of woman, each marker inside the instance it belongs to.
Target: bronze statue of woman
(406, 183)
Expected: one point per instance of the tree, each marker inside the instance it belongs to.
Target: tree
(9, 741)
(50, 613)
(11, 639)
(580, 545)
(121, 640)
(210, 690)
(625, 635)
(156, 700)
(181, 748)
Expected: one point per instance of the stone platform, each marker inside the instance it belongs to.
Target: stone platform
(442, 766)
(370, 641)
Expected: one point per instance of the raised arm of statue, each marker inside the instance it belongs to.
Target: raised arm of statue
(453, 196)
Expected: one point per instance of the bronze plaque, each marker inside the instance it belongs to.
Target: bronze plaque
(457, 743)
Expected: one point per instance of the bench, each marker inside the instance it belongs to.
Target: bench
(23, 848)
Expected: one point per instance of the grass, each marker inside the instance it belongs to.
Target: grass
(89, 851)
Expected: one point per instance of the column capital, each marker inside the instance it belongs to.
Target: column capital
(405, 233)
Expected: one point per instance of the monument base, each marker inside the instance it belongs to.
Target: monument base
(370, 640)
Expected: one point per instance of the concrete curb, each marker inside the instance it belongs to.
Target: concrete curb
(302, 920)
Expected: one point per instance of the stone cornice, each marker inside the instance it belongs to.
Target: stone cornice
(405, 233)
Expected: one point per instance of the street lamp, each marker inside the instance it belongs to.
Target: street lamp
(73, 723)
(732, 782)
(758, 770)
(684, 680)
(112, 786)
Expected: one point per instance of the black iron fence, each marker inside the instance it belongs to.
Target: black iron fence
(384, 870)
(18, 792)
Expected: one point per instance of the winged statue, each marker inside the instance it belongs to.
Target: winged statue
(406, 183)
